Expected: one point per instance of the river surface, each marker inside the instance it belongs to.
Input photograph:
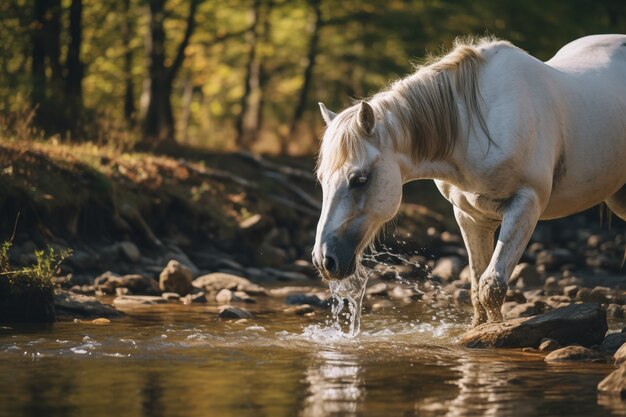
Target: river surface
(183, 361)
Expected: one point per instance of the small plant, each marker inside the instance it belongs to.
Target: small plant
(42, 272)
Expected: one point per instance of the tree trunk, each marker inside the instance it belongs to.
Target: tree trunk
(158, 126)
(74, 76)
(38, 63)
(314, 28)
(247, 120)
(129, 101)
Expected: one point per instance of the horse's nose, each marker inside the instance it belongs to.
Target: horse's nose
(330, 264)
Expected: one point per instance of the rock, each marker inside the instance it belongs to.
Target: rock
(614, 383)
(270, 256)
(465, 275)
(194, 298)
(377, 290)
(612, 342)
(129, 251)
(176, 278)
(548, 345)
(285, 291)
(404, 294)
(256, 227)
(219, 280)
(82, 305)
(230, 312)
(620, 355)
(615, 311)
(122, 291)
(299, 310)
(448, 268)
(137, 284)
(525, 275)
(600, 295)
(242, 296)
(515, 295)
(525, 310)
(577, 323)
(82, 260)
(171, 296)
(300, 299)
(551, 286)
(462, 297)
(575, 354)
(137, 300)
(552, 259)
(83, 289)
(224, 296)
(571, 290)
(382, 304)
(101, 321)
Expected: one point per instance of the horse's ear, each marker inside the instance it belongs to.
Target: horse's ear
(366, 118)
(327, 115)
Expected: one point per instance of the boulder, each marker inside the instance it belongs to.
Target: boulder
(176, 277)
(230, 312)
(577, 323)
(82, 306)
(613, 342)
(614, 383)
(137, 300)
(219, 280)
(525, 275)
(575, 354)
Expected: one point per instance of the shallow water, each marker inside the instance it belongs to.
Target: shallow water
(183, 361)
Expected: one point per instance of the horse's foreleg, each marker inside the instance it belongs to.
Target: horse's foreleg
(519, 219)
(478, 240)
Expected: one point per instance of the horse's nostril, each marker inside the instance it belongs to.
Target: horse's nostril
(330, 264)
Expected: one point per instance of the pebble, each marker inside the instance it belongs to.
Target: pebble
(230, 312)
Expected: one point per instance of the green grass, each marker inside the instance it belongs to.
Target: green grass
(39, 274)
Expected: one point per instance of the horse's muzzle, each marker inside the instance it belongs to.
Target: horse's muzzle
(335, 264)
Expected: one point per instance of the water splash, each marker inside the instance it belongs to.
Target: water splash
(347, 296)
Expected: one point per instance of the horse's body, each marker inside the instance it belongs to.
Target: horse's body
(545, 140)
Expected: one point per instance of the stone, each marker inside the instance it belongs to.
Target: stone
(129, 251)
(230, 312)
(612, 342)
(614, 383)
(194, 298)
(615, 311)
(525, 310)
(548, 345)
(224, 296)
(600, 295)
(515, 295)
(620, 355)
(270, 256)
(577, 323)
(137, 300)
(242, 296)
(220, 280)
(137, 284)
(525, 275)
(462, 297)
(448, 268)
(171, 296)
(465, 275)
(377, 290)
(285, 291)
(82, 305)
(176, 277)
(552, 259)
(300, 299)
(551, 286)
(575, 354)
(299, 310)
(571, 290)
(101, 321)
(382, 304)
(404, 294)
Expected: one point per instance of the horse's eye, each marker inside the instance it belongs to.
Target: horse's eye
(357, 179)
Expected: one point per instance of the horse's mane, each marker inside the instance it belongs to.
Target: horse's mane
(422, 108)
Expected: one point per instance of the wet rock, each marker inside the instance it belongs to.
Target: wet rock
(600, 295)
(137, 300)
(448, 268)
(299, 310)
(171, 296)
(577, 323)
(82, 306)
(405, 294)
(551, 286)
(83, 289)
(290, 276)
(176, 278)
(548, 345)
(571, 290)
(525, 275)
(177, 254)
(575, 354)
(525, 310)
(285, 291)
(137, 284)
(218, 280)
(242, 296)
(300, 299)
(462, 297)
(122, 291)
(194, 298)
(614, 383)
(101, 321)
(230, 312)
(615, 311)
(377, 290)
(612, 342)
(224, 296)
(129, 251)
(620, 355)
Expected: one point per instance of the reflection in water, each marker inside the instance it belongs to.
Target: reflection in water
(335, 385)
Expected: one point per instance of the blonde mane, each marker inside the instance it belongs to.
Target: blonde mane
(424, 106)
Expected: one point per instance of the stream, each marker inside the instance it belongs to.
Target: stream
(175, 360)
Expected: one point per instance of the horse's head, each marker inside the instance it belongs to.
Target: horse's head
(361, 183)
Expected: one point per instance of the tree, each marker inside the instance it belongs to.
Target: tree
(158, 123)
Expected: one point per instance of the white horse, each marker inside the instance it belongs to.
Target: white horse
(508, 139)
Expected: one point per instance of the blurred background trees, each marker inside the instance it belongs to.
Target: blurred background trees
(242, 73)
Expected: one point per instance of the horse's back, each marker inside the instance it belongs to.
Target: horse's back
(591, 53)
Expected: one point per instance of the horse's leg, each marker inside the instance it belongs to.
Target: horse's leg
(617, 203)
(519, 218)
(478, 240)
